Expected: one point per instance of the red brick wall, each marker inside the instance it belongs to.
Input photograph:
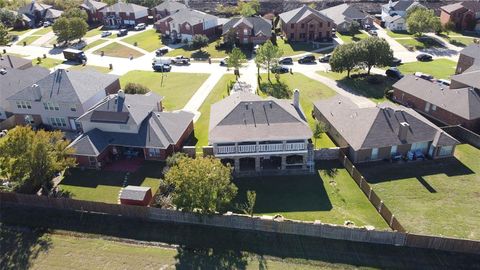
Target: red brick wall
(113, 87)
(464, 62)
(250, 38)
(310, 24)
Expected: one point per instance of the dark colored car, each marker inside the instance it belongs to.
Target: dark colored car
(394, 73)
(307, 59)
(396, 61)
(280, 69)
(223, 62)
(122, 32)
(286, 61)
(325, 58)
(162, 67)
(424, 57)
(160, 52)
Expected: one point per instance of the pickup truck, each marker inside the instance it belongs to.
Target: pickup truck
(180, 60)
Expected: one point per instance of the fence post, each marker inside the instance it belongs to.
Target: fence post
(380, 206)
(353, 168)
(391, 220)
(369, 193)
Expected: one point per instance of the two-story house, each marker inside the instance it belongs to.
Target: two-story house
(37, 12)
(61, 97)
(384, 132)
(167, 8)
(306, 24)
(249, 30)
(260, 135)
(92, 8)
(344, 14)
(394, 13)
(186, 23)
(130, 126)
(465, 15)
(123, 14)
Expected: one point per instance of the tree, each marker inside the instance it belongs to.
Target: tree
(199, 41)
(3, 34)
(230, 38)
(268, 54)
(374, 51)
(78, 28)
(235, 59)
(421, 20)
(345, 58)
(29, 159)
(7, 17)
(136, 88)
(354, 28)
(449, 27)
(61, 28)
(201, 183)
(318, 131)
(75, 13)
(248, 9)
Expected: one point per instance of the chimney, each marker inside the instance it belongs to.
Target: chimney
(403, 131)
(121, 94)
(296, 98)
(36, 92)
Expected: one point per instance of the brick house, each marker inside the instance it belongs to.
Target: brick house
(126, 126)
(464, 15)
(469, 58)
(306, 24)
(249, 30)
(167, 8)
(384, 132)
(344, 14)
(38, 12)
(123, 14)
(186, 23)
(394, 13)
(92, 8)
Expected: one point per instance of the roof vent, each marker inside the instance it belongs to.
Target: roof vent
(270, 104)
(403, 131)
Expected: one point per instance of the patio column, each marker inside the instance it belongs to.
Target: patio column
(236, 164)
(257, 164)
(305, 159)
(284, 162)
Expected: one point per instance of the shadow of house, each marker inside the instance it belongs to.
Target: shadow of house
(210, 258)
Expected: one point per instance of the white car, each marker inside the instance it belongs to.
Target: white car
(47, 24)
(106, 33)
(140, 26)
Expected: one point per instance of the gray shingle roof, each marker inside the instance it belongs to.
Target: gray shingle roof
(258, 24)
(13, 62)
(473, 51)
(402, 5)
(190, 16)
(93, 5)
(53, 14)
(471, 5)
(390, 19)
(376, 127)
(135, 193)
(170, 6)
(245, 117)
(68, 86)
(298, 14)
(124, 7)
(462, 102)
(343, 13)
(470, 78)
(32, 7)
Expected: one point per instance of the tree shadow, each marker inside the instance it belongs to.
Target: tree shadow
(19, 247)
(210, 258)
(276, 89)
(370, 86)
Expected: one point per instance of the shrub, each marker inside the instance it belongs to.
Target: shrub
(135, 88)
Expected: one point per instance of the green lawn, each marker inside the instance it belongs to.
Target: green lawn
(347, 38)
(461, 41)
(330, 196)
(177, 88)
(209, 51)
(94, 32)
(18, 32)
(419, 43)
(28, 40)
(148, 40)
(361, 86)
(398, 34)
(294, 48)
(34, 36)
(86, 67)
(93, 44)
(118, 50)
(439, 68)
(47, 62)
(218, 93)
(438, 197)
(43, 31)
(104, 186)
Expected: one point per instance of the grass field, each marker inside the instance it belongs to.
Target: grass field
(43, 31)
(177, 88)
(432, 197)
(360, 86)
(94, 44)
(118, 50)
(94, 32)
(18, 32)
(294, 48)
(148, 40)
(86, 67)
(330, 196)
(47, 62)
(347, 38)
(439, 68)
(398, 34)
(28, 40)
(104, 186)
(209, 51)
(419, 43)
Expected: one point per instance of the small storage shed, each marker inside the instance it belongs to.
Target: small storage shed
(134, 195)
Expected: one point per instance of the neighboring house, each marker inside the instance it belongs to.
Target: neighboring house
(451, 106)
(167, 8)
(249, 30)
(92, 8)
(15, 80)
(392, 10)
(37, 12)
(306, 24)
(469, 58)
(465, 15)
(128, 126)
(61, 97)
(123, 14)
(186, 23)
(14, 62)
(20, 23)
(344, 14)
(52, 14)
(260, 135)
(384, 132)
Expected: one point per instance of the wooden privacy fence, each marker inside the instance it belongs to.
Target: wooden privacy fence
(464, 135)
(374, 199)
(242, 222)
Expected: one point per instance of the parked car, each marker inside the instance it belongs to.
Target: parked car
(140, 26)
(424, 57)
(256, 48)
(325, 58)
(122, 32)
(3, 71)
(307, 59)
(373, 33)
(280, 69)
(106, 34)
(444, 82)
(180, 60)
(46, 24)
(285, 61)
(394, 73)
(423, 76)
(160, 52)
(396, 61)
(162, 67)
(224, 62)
(367, 27)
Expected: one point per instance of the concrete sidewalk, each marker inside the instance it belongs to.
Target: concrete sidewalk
(193, 105)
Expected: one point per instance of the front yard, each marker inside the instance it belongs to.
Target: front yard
(34, 36)
(47, 62)
(94, 44)
(439, 68)
(348, 38)
(118, 50)
(209, 51)
(87, 67)
(295, 48)
(432, 197)
(148, 40)
(177, 88)
(330, 195)
(419, 43)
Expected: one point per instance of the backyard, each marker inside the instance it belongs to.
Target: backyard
(177, 88)
(438, 197)
(330, 195)
(439, 68)
(118, 50)
(148, 40)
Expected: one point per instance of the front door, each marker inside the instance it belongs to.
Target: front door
(73, 125)
(311, 35)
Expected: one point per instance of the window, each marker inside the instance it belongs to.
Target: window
(125, 127)
(393, 150)
(427, 107)
(187, 26)
(24, 105)
(57, 121)
(51, 106)
(434, 108)
(92, 161)
(292, 26)
(154, 152)
(419, 146)
(302, 25)
(328, 24)
(245, 32)
(292, 36)
(73, 108)
(321, 25)
(445, 150)
(374, 153)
